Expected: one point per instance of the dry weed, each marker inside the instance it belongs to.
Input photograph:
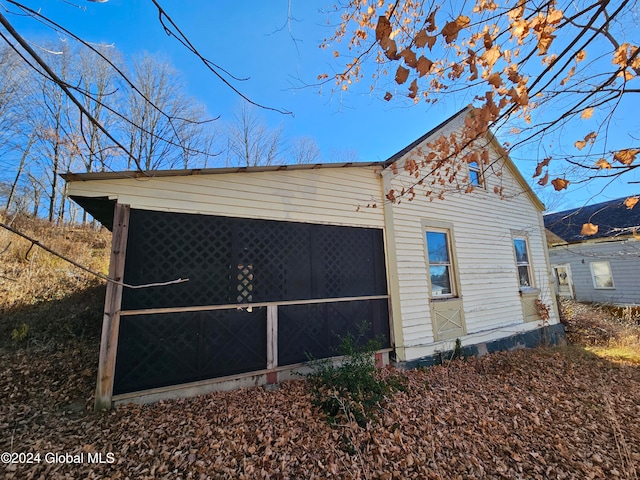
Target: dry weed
(46, 302)
(29, 275)
(602, 329)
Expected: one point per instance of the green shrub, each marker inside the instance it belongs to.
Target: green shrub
(20, 333)
(352, 390)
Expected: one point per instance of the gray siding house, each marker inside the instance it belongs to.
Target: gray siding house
(604, 267)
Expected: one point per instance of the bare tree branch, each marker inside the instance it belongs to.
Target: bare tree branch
(173, 30)
(82, 267)
(63, 85)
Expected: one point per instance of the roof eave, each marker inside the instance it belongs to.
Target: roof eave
(75, 177)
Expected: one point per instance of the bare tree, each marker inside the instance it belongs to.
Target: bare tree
(251, 143)
(304, 150)
(21, 166)
(102, 91)
(147, 141)
(49, 117)
(162, 126)
(12, 77)
(156, 84)
(34, 190)
(196, 138)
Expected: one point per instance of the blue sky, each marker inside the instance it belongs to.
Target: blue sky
(252, 39)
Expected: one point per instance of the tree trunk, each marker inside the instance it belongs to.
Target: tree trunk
(54, 185)
(23, 160)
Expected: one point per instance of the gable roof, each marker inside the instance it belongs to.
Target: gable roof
(104, 207)
(613, 219)
(493, 141)
(415, 143)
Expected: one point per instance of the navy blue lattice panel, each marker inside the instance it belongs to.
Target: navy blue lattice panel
(166, 246)
(276, 257)
(233, 341)
(348, 262)
(244, 261)
(303, 333)
(170, 349)
(155, 351)
(316, 330)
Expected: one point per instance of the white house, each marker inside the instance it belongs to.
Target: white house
(282, 261)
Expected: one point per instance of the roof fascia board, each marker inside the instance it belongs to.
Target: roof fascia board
(74, 177)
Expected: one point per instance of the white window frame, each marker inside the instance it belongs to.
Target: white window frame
(528, 263)
(453, 276)
(593, 275)
(477, 169)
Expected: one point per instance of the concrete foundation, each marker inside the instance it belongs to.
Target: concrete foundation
(550, 335)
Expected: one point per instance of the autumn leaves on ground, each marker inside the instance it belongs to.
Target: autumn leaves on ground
(548, 413)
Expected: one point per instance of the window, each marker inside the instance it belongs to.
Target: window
(475, 174)
(440, 267)
(523, 262)
(601, 274)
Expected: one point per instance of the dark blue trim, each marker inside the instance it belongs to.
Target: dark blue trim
(551, 335)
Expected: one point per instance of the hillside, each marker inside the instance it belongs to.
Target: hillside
(547, 413)
(44, 301)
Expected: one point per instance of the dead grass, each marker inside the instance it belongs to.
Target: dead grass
(608, 331)
(29, 274)
(44, 300)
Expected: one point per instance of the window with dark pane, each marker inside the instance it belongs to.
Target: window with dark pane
(439, 263)
(522, 261)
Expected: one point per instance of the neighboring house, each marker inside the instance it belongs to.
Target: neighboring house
(282, 261)
(602, 267)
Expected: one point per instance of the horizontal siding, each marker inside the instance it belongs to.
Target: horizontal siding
(326, 195)
(624, 258)
(482, 229)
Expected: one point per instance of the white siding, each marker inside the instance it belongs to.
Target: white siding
(483, 226)
(323, 195)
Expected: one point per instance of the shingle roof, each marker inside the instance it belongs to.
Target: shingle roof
(613, 219)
